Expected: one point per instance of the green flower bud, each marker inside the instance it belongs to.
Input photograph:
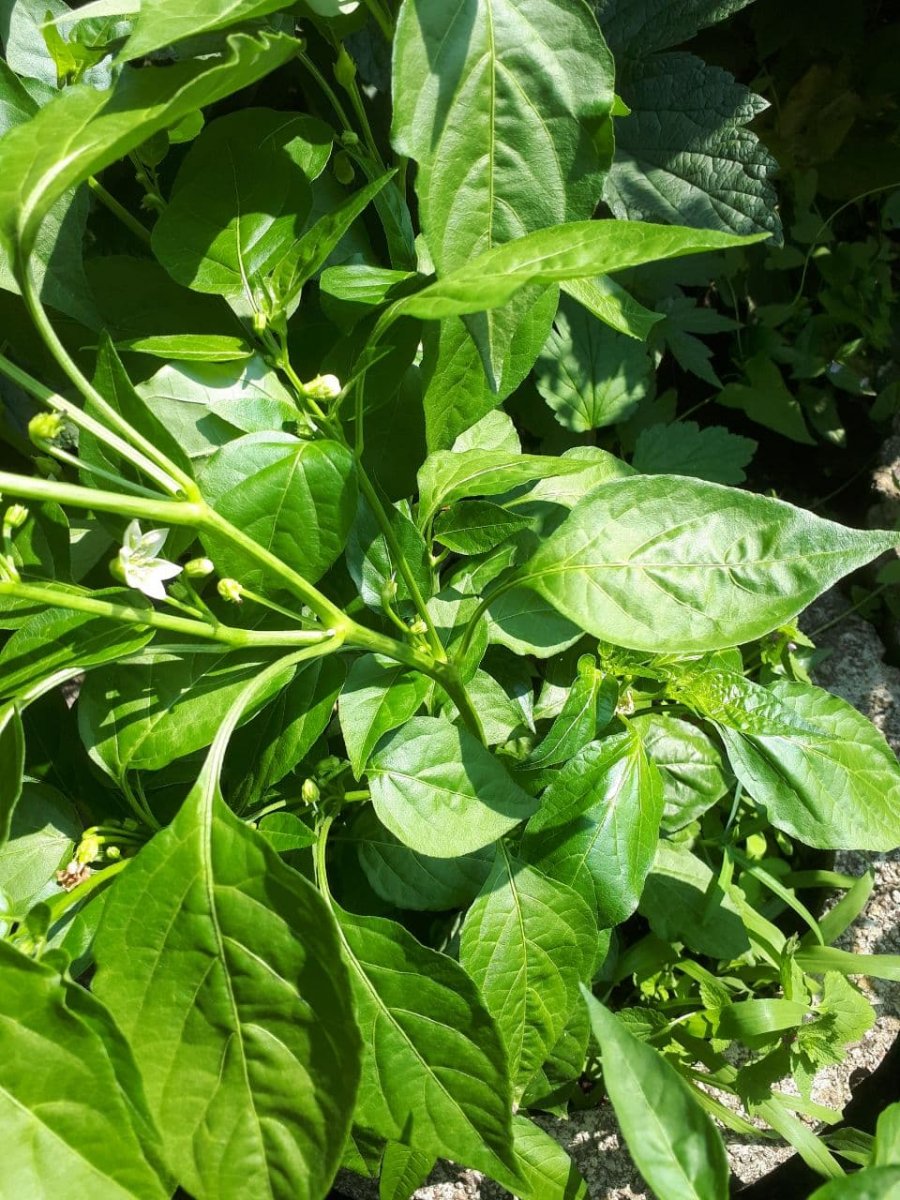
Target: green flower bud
(116, 570)
(418, 626)
(199, 568)
(16, 516)
(343, 168)
(88, 850)
(345, 70)
(309, 792)
(389, 591)
(260, 322)
(323, 387)
(349, 139)
(45, 427)
(231, 590)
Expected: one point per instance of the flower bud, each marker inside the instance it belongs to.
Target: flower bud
(260, 322)
(16, 516)
(199, 568)
(309, 792)
(349, 139)
(345, 69)
(231, 590)
(323, 387)
(389, 591)
(343, 168)
(418, 626)
(88, 850)
(45, 427)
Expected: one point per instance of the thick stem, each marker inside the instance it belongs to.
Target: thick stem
(170, 512)
(128, 615)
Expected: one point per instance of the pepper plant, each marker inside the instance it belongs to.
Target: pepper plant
(358, 761)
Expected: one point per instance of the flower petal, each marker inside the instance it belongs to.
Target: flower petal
(153, 541)
(133, 536)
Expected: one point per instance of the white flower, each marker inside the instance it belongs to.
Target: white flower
(141, 565)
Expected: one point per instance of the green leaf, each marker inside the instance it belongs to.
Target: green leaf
(476, 526)
(766, 399)
(887, 1138)
(665, 564)
(379, 696)
(874, 1183)
(441, 792)
(526, 623)
(190, 347)
(162, 22)
(635, 27)
(83, 130)
(671, 1138)
(683, 448)
(691, 766)
(548, 1171)
(42, 834)
(448, 475)
(590, 375)
(205, 405)
(221, 966)
(12, 762)
(76, 1122)
(433, 1061)
(141, 719)
(609, 301)
(407, 879)
(273, 485)
(527, 942)
(833, 782)
(494, 161)
(818, 959)
(589, 707)
(684, 153)
(371, 562)
(268, 748)
(403, 1170)
(285, 832)
(578, 250)
(683, 902)
(238, 204)
(598, 825)
(57, 639)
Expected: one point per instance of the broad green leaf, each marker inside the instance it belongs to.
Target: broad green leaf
(42, 834)
(671, 1138)
(760, 1017)
(190, 347)
(57, 266)
(886, 1151)
(379, 696)
(598, 825)
(433, 1061)
(503, 715)
(407, 879)
(446, 475)
(12, 765)
(82, 130)
(71, 1099)
(371, 562)
(494, 431)
(496, 161)
(162, 22)
(527, 942)
(832, 784)
(663, 563)
(874, 1183)
(683, 902)
(268, 748)
(636, 27)
(766, 399)
(818, 959)
(685, 154)
(205, 405)
(310, 252)
(590, 375)
(364, 285)
(57, 639)
(551, 1088)
(683, 448)
(597, 466)
(609, 301)
(271, 487)
(403, 1170)
(692, 769)
(238, 204)
(441, 792)
(577, 250)
(285, 831)
(140, 717)
(476, 526)
(588, 708)
(221, 966)
(548, 1171)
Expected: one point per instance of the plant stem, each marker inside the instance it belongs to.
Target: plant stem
(228, 635)
(142, 453)
(170, 512)
(329, 91)
(505, 586)
(381, 19)
(64, 900)
(119, 210)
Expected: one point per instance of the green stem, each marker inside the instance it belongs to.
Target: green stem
(128, 615)
(329, 91)
(72, 460)
(170, 512)
(119, 210)
(64, 900)
(368, 490)
(381, 19)
(78, 417)
(143, 453)
(505, 586)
